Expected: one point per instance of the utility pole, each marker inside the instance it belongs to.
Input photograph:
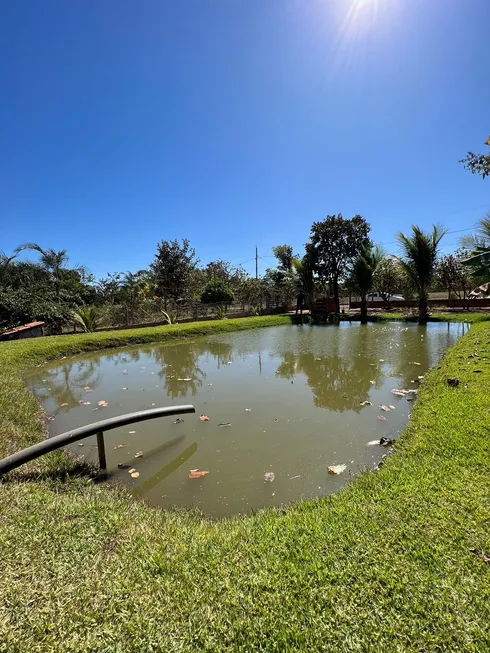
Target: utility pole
(256, 263)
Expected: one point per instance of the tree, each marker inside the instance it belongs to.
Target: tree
(52, 261)
(108, 287)
(334, 244)
(418, 260)
(479, 259)
(217, 291)
(452, 275)
(388, 278)
(284, 254)
(304, 279)
(172, 268)
(363, 270)
(478, 164)
(89, 318)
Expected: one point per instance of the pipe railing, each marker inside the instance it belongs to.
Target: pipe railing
(98, 428)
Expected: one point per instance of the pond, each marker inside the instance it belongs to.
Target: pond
(282, 400)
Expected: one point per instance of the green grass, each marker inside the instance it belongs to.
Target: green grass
(470, 318)
(387, 565)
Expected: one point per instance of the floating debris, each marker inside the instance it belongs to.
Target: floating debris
(187, 378)
(385, 408)
(386, 442)
(381, 360)
(196, 473)
(291, 478)
(120, 446)
(366, 403)
(87, 387)
(392, 407)
(382, 418)
(63, 405)
(124, 388)
(336, 469)
(103, 403)
(125, 371)
(135, 474)
(224, 424)
(131, 432)
(372, 443)
(178, 421)
(372, 382)
(398, 393)
(138, 454)
(248, 410)
(204, 418)
(269, 477)
(123, 466)
(81, 444)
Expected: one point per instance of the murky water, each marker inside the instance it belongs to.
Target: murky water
(290, 398)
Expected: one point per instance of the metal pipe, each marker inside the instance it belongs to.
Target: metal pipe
(101, 450)
(50, 444)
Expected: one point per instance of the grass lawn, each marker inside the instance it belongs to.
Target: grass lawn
(395, 562)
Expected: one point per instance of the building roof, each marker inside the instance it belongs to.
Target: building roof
(24, 327)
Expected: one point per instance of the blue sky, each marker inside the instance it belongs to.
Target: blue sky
(236, 123)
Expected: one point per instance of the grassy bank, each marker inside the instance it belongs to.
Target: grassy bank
(469, 318)
(393, 563)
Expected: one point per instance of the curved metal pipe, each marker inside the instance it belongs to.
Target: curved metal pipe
(98, 428)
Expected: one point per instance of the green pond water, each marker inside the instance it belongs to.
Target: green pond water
(290, 396)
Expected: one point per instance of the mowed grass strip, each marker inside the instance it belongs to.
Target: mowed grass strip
(394, 563)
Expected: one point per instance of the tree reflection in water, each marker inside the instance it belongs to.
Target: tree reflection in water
(182, 362)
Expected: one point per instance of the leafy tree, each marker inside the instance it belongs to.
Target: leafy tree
(108, 287)
(478, 164)
(363, 270)
(452, 275)
(388, 278)
(334, 244)
(135, 288)
(217, 291)
(69, 284)
(284, 254)
(172, 268)
(418, 260)
(21, 305)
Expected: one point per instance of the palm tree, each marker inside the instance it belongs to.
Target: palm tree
(303, 277)
(418, 260)
(479, 245)
(51, 260)
(363, 271)
(88, 317)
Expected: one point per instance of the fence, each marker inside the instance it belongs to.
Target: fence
(432, 303)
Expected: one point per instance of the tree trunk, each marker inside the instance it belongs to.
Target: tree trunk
(423, 309)
(336, 295)
(364, 313)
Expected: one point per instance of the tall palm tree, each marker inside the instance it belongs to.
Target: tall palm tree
(418, 260)
(363, 271)
(302, 270)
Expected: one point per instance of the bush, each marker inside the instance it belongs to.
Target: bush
(217, 292)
